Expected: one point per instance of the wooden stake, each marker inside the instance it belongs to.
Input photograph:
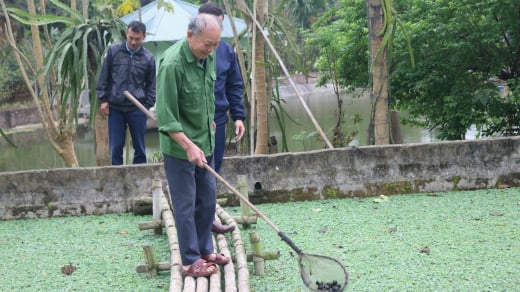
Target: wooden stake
(150, 225)
(266, 255)
(245, 221)
(162, 266)
(245, 211)
(258, 261)
(150, 260)
(157, 195)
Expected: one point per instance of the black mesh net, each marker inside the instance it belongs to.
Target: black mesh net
(322, 273)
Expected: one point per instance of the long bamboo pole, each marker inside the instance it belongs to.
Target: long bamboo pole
(252, 135)
(286, 72)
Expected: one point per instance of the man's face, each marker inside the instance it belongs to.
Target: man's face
(134, 39)
(202, 45)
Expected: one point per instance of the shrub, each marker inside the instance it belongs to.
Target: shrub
(12, 86)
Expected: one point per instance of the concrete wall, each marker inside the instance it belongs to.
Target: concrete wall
(16, 117)
(337, 173)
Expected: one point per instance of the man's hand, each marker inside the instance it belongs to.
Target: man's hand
(194, 153)
(196, 156)
(240, 130)
(104, 108)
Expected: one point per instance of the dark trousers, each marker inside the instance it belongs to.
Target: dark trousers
(220, 145)
(193, 192)
(117, 123)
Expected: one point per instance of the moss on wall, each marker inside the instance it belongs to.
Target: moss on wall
(402, 187)
(331, 193)
(456, 180)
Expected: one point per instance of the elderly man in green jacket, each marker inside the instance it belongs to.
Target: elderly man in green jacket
(185, 111)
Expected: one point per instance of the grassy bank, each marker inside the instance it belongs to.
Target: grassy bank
(455, 241)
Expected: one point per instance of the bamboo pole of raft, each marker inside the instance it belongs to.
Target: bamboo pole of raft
(199, 284)
(175, 255)
(189, 284)
(214, 280)
(229, 269)
(240, 251)
(202, 283)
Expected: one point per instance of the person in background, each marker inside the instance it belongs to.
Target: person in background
(127, 66)
(228, 97)
(185, 111)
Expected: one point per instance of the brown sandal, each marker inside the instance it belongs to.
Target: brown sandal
(220, 259)
(200, 268)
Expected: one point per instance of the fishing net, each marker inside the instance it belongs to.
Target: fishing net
(322, 273)
(319, 273)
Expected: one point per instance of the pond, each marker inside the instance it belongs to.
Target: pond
(302, 135)
(40, 155)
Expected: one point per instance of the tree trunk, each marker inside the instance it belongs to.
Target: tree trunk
(380, 112)
(84, 8)
(102, 149)
(101, 135)
(60, 134)
(262, 98)
(67, 145)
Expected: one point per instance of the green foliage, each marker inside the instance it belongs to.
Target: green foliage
(286, 44)
(335, 49)
(504, 115)
(76, 56)
(464, 50)
(341, 35)
(2, 133)
(461, 49)
(301, 12)
(391, 22)
(156, 157)
(277, 106)
(11, 81)
(280, 113)
(303, 136)
(345, 133)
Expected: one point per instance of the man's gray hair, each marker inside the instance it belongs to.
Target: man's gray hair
(201, 21)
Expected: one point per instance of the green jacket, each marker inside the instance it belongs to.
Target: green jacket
(185, 100)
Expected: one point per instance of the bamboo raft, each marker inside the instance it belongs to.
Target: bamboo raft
(232, 277)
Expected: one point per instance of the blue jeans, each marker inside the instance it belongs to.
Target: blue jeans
(193, 193)
(117, 123)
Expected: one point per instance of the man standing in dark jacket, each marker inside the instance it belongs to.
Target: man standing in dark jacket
(228, 90)
(228, 97)
(128, 66)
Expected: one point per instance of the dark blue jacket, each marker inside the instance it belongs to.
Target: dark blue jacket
(122, 71)
(228, 86)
